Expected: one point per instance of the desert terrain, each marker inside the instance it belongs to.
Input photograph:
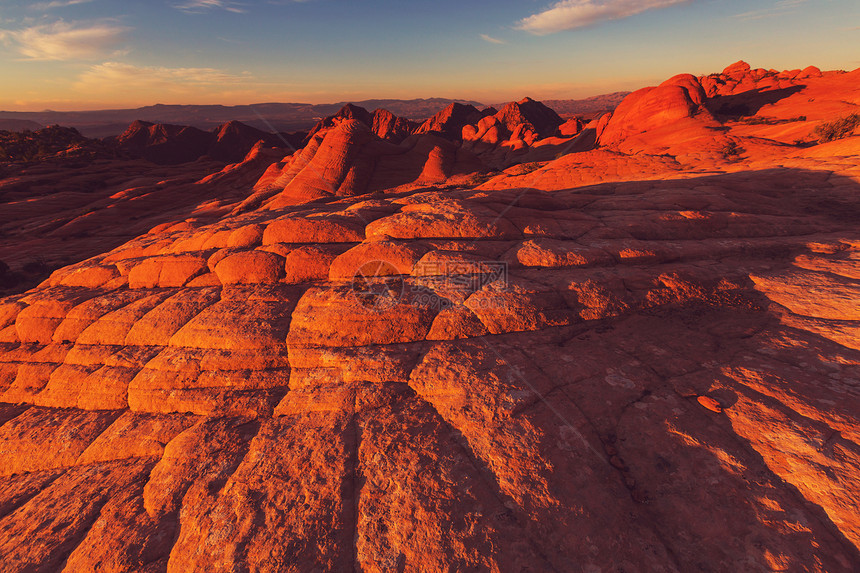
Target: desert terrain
(497, 339)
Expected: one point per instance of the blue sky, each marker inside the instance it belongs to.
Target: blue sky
(84, 54)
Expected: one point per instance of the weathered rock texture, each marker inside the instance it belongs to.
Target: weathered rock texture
(664, 379)
(173, 144)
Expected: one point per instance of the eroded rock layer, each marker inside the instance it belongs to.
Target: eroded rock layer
(203, 398)
(611, 362)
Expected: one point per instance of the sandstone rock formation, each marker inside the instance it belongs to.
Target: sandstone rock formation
(174, 144)
(718, 117)
(356, 360)
(509, 135)
(382, 122)
(350, 159)
(740, 77)
(520, 132)
(450, 121)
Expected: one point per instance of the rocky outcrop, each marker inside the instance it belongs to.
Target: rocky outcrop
(607, 361)
(522, 132)
(381, 122)
(166, 144)
(529, 120)
(234, 140)
(522, 371)
(740, 77)
(723, 117)
(389, 127)
(499, 138)
(350, 159)
(675, 100)
(449, 122)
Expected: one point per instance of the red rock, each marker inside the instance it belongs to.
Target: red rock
(234, 140)
(442, 220)
(571, 127)
(737, 70)
(350, 159)
(167, 271)
(810, 72)
(348, 112)
(312, 230)
(309, 263)
(710, 404)
(451, 121)
(511, 384)
(247, 236)
(529, 116)
(649, 108)
(399, 258)
(390, 127)
(46, 311)
(94, 276)
(250, 267)
(164, 143)
(156, 327)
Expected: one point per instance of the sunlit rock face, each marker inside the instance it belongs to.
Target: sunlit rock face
(610, 362)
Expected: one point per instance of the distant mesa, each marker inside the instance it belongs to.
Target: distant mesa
(269, 117)
(588, 108)
(274, 117)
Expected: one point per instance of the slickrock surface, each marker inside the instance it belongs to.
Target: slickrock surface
(609, 363)
(54, 214)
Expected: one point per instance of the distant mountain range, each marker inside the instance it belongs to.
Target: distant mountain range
(19, 125)
(270, 117)
(588, 107)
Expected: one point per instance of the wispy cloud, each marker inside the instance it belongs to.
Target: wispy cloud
(490, 39)
(65, 40)
(43, 6)
(198, 6)
(572, 14)
(118, 75)
(778, 9)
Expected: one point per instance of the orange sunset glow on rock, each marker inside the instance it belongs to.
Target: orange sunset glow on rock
(616, 334)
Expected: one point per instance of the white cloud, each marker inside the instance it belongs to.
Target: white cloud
(65, 40)
(571, 14)
(198, 6)
(43, 6)
(490, 39)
